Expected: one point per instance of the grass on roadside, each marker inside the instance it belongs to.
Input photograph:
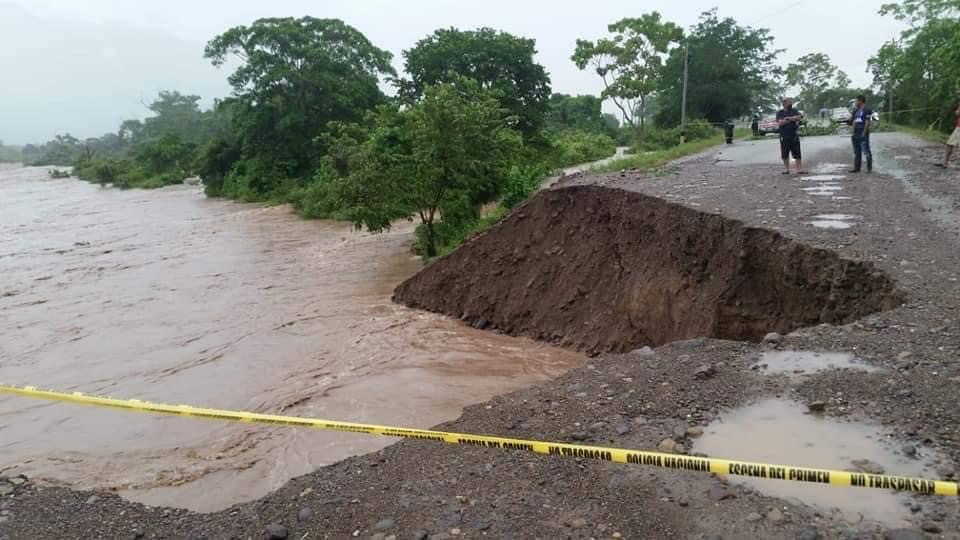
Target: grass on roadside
(647, 161)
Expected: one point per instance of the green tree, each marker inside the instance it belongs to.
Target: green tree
(581, 113)
(61, 150)
(922, 68)
(921, 12)
(729, 66)
(167, 154)
(294, 77)
(630, 63)
(435, 160)
(813, 73)
(174, 114)
(496, 60)
(840, 97)
(10, 153)
(842, 80)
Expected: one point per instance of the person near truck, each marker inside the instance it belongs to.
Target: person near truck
(954, 139)
(860, 121)
(789, 119)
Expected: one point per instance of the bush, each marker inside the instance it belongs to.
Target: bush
(321, 198)
(214, 162)
(451, 235)
(100, 171)
(522, 181)
(661, 139)
(574, 147)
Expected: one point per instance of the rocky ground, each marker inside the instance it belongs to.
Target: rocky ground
(905, 222)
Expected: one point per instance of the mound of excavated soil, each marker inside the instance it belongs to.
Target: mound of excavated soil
(604, 269)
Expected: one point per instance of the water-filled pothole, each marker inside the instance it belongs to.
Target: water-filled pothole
(825, 168)
(833, 221)
(830, 224)
(823, 177)
(808, 362)
(780, 432)
(823, 190)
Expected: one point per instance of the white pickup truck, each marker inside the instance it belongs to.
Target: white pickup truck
(840, 115)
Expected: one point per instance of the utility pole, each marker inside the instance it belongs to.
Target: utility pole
(890, 90)
(683, 100)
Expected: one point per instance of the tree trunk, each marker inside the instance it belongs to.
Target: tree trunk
(431, 240)
(643, 114)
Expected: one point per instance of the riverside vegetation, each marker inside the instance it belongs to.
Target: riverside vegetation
(473, 123)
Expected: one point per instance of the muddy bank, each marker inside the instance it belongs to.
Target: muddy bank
(605, 269)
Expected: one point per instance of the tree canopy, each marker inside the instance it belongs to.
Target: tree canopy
(496, 60)
(922, 68)
(630, 62)
(443, 156)
(813, 74)
(582, 113)
(729, 65)
(295, 76)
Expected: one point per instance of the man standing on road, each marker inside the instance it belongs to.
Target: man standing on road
(789, 119)
(954, 139)
(861, 135)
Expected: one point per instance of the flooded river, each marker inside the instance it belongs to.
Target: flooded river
(168, 296)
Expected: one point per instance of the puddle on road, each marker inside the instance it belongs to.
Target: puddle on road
(807, 362)
(830, 224)
(827, 168)
(823, 190)
(833, 221)
(823, 177)
(824, 187)
(779, 432)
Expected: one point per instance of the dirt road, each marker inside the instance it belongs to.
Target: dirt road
(884, 386)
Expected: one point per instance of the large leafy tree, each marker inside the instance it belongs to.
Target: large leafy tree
(813, 74)
(729, 65)
(581, 113)
(630, 62)
(921, 12)
(434, 160)
(922, 68)
(496, 60)
(294, 77)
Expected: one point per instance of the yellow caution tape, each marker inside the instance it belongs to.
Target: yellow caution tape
(615, 455)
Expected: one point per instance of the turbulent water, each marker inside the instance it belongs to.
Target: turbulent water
(168, 296)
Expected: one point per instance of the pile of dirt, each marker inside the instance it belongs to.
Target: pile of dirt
(603, 269)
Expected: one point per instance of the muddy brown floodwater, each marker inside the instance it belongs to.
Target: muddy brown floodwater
(169, 296)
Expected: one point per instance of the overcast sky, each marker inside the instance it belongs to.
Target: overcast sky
(83, 66)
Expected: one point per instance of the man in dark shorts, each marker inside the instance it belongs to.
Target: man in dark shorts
(789, 119)
(861, 135)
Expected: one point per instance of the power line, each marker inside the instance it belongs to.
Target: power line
(778, 12)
